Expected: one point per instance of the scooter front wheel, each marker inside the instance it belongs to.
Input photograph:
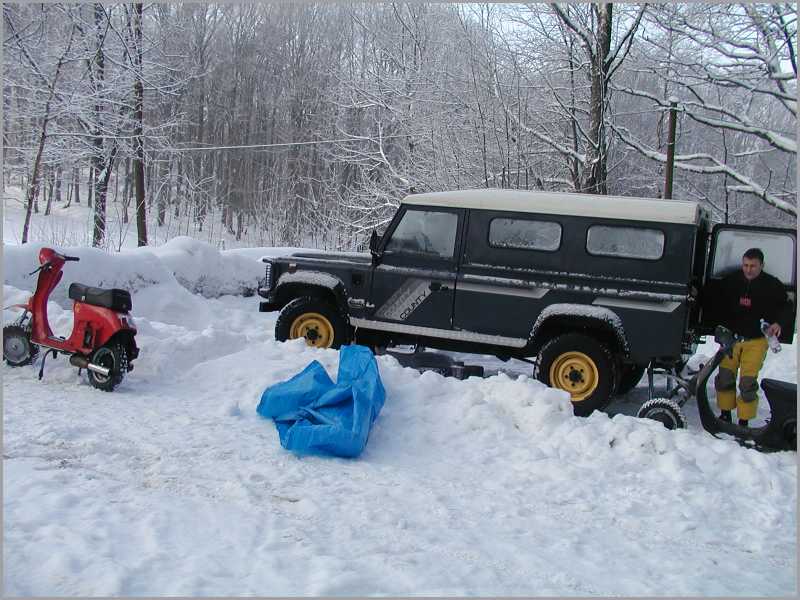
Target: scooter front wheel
(113, 357)
(665, 411)
(17, 347)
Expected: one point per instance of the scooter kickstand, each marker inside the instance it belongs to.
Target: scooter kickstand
(44, 357)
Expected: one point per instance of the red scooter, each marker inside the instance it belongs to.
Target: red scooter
(103, 338)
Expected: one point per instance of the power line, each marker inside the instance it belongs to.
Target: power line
(253, 146)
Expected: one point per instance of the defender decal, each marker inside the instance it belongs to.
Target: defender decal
(405, 300)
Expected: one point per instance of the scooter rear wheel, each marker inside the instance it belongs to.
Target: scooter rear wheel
(113, 357)
(17, 347)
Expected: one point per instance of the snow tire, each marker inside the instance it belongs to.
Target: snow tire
(113, 356)
(310, 317)
(598, 385)
(18, 350)
(665, 411)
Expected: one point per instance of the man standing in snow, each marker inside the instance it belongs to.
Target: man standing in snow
(744, 298)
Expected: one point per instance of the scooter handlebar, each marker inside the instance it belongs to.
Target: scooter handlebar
(68, 258)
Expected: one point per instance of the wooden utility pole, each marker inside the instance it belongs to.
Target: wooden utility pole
(673, 104)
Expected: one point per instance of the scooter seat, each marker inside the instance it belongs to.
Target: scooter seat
(782, 391)
(115, 299)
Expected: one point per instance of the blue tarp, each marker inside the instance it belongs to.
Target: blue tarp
(316, 416)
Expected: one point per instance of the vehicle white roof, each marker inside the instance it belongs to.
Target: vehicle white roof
(561, 203)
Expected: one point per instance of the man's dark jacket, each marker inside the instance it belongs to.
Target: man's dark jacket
(742, 303)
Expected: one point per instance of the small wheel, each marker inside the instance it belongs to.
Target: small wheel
(314, 319)
(629, 376)
(113, 357)
(580, 365)
(665, 411)
(17, 347)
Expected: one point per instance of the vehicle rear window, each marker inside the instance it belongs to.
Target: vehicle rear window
(525, 234)
(625, 242)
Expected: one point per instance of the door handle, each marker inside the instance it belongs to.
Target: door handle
(436, 286)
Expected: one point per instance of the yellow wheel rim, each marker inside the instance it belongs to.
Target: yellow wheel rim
(575, 373)
(315, 328)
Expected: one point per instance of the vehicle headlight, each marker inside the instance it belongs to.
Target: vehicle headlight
(267, 283)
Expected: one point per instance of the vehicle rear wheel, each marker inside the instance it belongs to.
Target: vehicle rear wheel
(314, 319)
(629, 376)
(580, 365)
(17, 347)
(113, 357)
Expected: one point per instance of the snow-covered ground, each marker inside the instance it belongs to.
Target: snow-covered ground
(173, 485)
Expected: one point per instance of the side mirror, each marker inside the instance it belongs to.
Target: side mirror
(374, 242)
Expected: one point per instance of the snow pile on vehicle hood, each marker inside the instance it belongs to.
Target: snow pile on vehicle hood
(195, 266)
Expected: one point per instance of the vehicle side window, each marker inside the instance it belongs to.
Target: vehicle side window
(525, 234)
(431, 233)
(778, 248)
(625, 242)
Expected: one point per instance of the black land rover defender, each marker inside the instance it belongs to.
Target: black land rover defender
(594, 289)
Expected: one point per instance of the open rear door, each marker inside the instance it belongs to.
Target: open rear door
(727, 245)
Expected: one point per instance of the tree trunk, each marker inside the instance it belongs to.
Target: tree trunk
(178, 187)
(59, 176)
(90, 191)
(138, 133)
(76, 179)
(50, 179)
(102, 167)
(597, 167)
(126, 192)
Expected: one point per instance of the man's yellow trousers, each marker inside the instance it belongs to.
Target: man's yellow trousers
(748, 356)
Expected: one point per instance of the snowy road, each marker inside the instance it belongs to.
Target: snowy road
(173, 485)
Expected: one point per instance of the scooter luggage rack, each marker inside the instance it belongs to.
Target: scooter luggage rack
(678, 388)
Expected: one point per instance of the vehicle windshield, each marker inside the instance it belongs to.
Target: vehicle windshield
(431, 233)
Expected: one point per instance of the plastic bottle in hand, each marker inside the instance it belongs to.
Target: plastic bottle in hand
(774, 342)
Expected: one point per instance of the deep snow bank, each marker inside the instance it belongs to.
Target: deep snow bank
(196, 266)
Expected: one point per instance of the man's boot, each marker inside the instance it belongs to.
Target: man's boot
(725, 415)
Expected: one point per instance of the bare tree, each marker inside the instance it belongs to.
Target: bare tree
(50, 85)
(745, 85)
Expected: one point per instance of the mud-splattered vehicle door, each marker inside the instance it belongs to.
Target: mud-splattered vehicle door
(414, 276)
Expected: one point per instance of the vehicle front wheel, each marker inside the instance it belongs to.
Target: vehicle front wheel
(580, 365)
(113, 357)
(17, 347)
(314, 319)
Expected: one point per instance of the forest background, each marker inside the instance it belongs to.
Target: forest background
(304, 124)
